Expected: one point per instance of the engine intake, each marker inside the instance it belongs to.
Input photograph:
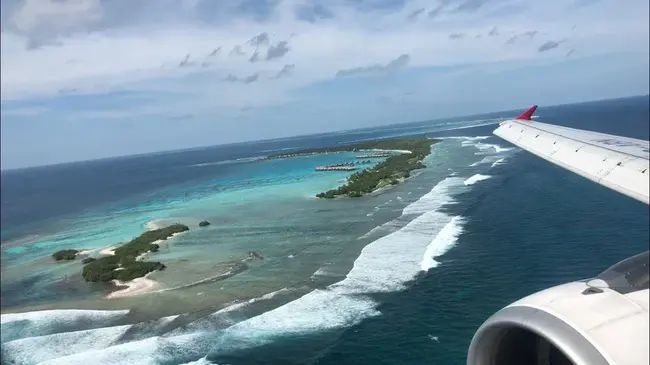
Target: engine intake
(585, 322)
(521, 335)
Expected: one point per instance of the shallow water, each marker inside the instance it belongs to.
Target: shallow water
(403, 276)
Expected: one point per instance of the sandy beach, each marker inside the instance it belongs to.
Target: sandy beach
(136, 286)
(108, 251)
(380, 150)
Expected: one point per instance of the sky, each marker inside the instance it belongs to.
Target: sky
(86, 79)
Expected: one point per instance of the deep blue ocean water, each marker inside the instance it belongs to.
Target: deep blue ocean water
(530, 225)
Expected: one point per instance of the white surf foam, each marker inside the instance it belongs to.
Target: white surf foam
(202, 361)
(270, 295)
(468, 138)
(192, 341)
(468, 141)
(316, 311)
(322, 271)
(40, 317)
(166, 222)
(482, 147)
(319, 309)
(153, 225)
(487, 146)
(385, 265)
(34, 350)
(219, 319)
(41, 323)
(476, 178)
(136, 353)
(434, 198)
(445, 240)
(481, 162)
(498, 162)
(490, 159)
(38, 349)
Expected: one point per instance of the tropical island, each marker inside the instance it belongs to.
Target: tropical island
(65, 255)
(123, 264)
(393, 170)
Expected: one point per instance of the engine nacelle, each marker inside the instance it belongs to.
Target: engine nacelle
(603, 321)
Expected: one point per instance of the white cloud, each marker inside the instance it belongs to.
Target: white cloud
(38, 16)
(145, 56)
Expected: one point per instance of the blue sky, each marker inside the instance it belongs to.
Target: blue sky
(85, 79)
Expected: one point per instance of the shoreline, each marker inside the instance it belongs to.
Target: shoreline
(137, 286)
(303, 154)
(394, 170)
(108, 251)
(383, 150)
(147, 284)
(398, 145)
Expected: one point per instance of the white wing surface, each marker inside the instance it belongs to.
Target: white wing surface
(619, 163)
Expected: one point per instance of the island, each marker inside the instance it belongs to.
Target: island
(65, 255)
(406, 156)
(252, 255)
(123, 264)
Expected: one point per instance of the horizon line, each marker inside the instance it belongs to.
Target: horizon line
(299, 135)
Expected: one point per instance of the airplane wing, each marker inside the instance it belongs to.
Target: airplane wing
(619, 163)
(599, 321)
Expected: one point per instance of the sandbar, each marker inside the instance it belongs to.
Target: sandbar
(134, 287)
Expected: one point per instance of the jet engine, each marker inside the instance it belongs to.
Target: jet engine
(599, 321)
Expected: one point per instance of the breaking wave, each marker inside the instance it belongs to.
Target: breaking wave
(385, 265)
(486, 146)
(498, 162)
(413, 241)
(476, 178)
(43, 323)
(442, 243)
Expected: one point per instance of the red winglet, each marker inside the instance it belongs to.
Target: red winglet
(528, 114)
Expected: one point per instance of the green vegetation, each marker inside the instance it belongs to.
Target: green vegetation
(204, 223)
(105, 269)
(389, 172)
(386, 144)
(88, 260)
(65, 255)
(123, 265)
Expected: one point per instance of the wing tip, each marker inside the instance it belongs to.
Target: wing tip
(528, 114)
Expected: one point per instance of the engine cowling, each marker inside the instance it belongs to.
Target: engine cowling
(602, 321)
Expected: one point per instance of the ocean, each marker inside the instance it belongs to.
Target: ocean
(403, 276)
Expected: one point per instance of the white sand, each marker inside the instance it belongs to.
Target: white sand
(380, 150)
(136, 286)
(108, 251)
(153, 226)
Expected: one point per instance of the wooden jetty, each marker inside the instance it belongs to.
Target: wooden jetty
(374, 155)
(337, 167)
